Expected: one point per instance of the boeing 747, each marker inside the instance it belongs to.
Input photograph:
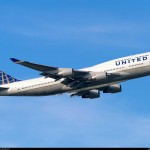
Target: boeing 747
(87, 82)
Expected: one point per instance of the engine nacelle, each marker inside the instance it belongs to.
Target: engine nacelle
(115, 88)
(92, 94)
(65, 72)
(99, 76)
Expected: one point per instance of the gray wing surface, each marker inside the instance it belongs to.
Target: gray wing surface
(34, 66)
(53, 72)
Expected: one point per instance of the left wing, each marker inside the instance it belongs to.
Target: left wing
(37, 67)
(54, 72)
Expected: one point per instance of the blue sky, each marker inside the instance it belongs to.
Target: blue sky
(74, 33)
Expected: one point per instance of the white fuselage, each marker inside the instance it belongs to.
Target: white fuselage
(128, 67)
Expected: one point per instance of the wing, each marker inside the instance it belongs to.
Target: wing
(37, 67)
(53, 72)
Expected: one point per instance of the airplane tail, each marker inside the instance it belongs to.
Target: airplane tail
(6, 79)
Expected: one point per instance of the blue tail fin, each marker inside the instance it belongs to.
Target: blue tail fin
(6, 79)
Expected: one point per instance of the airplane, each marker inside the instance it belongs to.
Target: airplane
(87, 82)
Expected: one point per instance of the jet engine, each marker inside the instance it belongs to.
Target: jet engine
(92, 94)
(99, 76)
(115, 88)
(65, 72)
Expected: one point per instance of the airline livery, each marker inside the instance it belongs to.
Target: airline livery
(87, 82)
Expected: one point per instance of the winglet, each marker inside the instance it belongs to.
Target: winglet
(15, 60)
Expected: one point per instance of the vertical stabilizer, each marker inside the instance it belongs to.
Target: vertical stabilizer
(6, 79)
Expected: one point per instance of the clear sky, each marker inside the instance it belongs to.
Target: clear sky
(78, 34)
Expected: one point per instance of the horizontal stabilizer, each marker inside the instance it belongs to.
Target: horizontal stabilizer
(3, 88)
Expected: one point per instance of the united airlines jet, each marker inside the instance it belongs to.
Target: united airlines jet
(87, 82)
